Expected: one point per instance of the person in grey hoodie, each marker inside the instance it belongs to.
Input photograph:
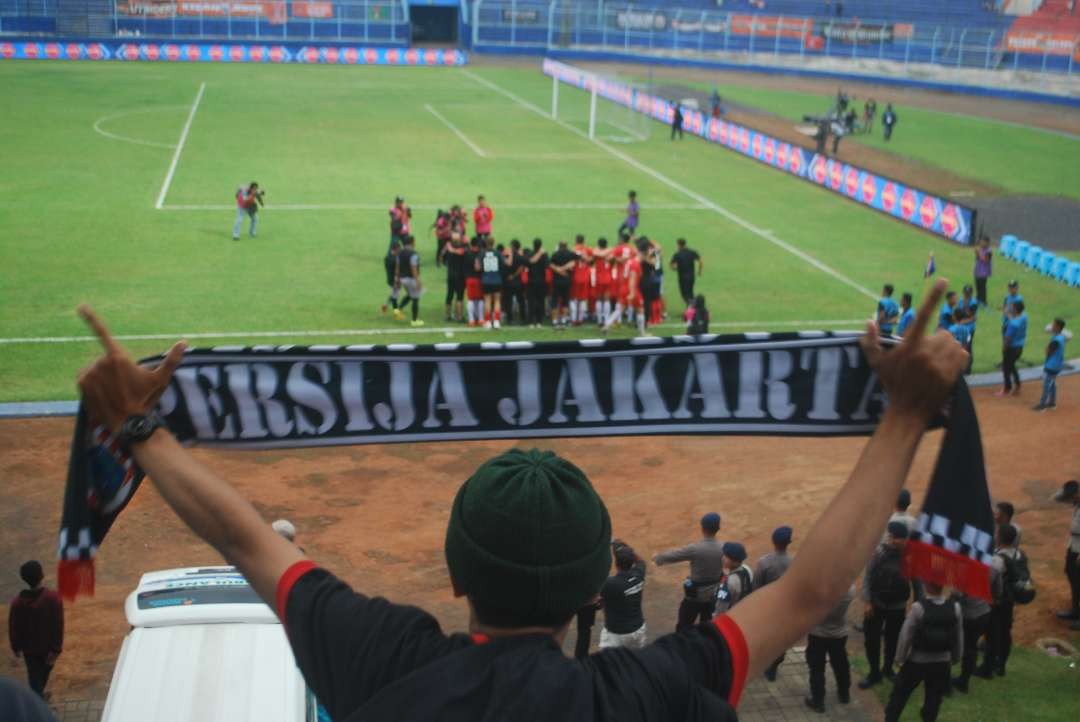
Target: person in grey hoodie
(829, 639)
(930, 642)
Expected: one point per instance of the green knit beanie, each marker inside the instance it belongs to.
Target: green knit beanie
(528, 540)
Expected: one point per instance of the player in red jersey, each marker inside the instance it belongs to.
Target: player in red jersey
(581, 282)
(620, 256)
(603, 280)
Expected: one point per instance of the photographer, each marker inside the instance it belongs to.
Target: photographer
(247, 203)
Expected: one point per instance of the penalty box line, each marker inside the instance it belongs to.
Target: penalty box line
(393, 331)
(648, 170)
(179, 147)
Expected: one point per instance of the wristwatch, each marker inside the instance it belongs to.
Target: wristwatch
(139, 427)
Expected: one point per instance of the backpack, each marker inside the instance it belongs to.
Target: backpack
(1018, 586)
(723, 594)
(888, 585)
(938, 627)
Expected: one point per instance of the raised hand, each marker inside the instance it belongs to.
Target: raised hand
(114, 387)
(919, 372)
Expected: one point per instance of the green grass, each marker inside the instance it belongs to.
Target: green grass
(1037, 687)
(1020, 160)
(79, 224)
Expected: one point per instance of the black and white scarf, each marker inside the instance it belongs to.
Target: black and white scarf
(810, 383)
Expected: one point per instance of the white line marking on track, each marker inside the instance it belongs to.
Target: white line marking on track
(456, 131)
(374, 332)
(138, 111)
(180, 147)
(432, 207)
(768, 236)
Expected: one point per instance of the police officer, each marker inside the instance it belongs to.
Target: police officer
(976, 614)
(829, 639)
(930, 642)
(885, 592)
(1001, 613)
(706, 559)
(738, 578)
(770, 568)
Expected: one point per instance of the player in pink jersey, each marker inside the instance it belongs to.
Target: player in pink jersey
(482, 217)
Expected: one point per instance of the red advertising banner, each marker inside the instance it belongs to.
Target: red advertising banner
(771, 26)
(317, 9)
(1043, 43)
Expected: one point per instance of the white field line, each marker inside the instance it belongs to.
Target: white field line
(622, 127)
(400, 330)
(432, 207)
(999, 121)
(768, 236)
(138, 111)
(456, 131)
(180, 147)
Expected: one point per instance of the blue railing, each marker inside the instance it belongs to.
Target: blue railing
(531, 24)
(369, 21)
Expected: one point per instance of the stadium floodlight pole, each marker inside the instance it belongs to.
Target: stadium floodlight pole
(592, 112)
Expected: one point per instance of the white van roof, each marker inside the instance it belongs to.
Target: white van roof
(203, 648)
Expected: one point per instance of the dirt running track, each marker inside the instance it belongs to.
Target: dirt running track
(377, 515)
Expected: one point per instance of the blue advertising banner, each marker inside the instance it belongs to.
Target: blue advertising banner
(912, 205)
(229, 53)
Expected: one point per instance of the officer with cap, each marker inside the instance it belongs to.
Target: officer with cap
(885, 592)
(706, 558)
(738, 580)
(770, 568)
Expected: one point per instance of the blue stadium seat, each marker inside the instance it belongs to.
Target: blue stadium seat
(1008, 243)
(1031, 260)
(1046, 262)
(1072, 276)
(1060, 268)
(1020, 251)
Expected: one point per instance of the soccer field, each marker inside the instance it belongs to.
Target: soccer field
(119, 182)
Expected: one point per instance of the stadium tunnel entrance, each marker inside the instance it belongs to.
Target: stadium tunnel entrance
(434, 24)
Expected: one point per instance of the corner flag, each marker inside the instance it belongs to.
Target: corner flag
(930, 267)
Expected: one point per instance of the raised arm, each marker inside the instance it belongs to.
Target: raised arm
(918, 374)
(114, 387)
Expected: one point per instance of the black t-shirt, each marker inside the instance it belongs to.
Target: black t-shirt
(469, 263)
(538, 271)
(512, 276)
(455, 265)
(367, 659)
(560, 258)
(405, 263)
(648, 276)
(684, 262)
(622, 600)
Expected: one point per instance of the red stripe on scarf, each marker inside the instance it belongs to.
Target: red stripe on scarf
(931, 563)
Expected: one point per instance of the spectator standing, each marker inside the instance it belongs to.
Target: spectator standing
(624, 623)
(999, 641)
(888, 121)
(688, 265)
(36, 626)
(738, 578)
(930, 642)
(983, 268)
(887, 311)
(828, 640)
(1010, 298)
(1012, 348)
(770, 568)
(676, 122)
(976, 614)
(1055, 361)
(1070, 494)
(483, 215)
(907, 314)
(633, 215)
(885, 593)
(706, 558)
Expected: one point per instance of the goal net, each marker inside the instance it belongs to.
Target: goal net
(601, 117)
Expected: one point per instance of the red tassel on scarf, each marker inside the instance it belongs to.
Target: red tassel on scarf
(75, 577)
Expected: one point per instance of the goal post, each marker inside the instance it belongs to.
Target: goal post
(583, 105)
